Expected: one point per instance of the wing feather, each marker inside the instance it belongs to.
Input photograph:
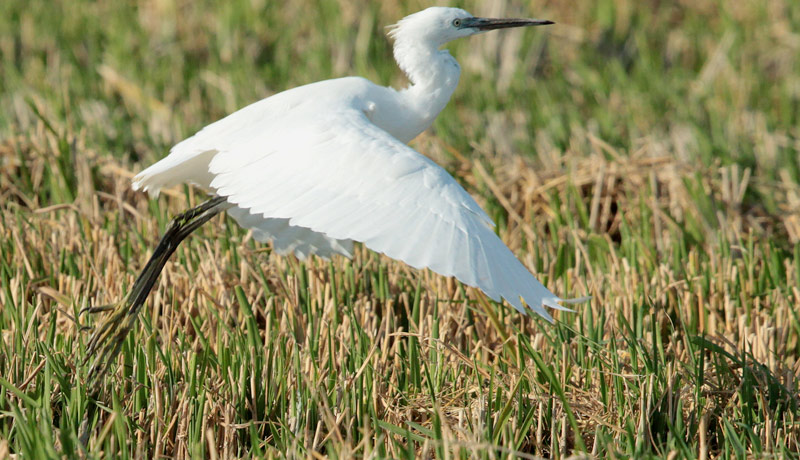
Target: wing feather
(313, 183)
(343, 177)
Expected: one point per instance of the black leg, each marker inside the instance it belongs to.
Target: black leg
(106, 341)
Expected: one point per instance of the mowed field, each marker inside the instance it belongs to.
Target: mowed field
(646, 153)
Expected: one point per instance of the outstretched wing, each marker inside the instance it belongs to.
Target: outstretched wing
(340, 175)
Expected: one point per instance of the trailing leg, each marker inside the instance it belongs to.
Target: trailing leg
(106, 341)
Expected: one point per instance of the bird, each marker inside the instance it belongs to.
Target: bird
(316, 168)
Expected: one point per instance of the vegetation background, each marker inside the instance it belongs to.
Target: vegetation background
(644, 152)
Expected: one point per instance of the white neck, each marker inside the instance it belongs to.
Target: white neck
(433, 74)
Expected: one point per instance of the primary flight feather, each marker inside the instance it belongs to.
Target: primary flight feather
(314, 168)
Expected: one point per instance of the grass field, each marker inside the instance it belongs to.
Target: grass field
(646, 153)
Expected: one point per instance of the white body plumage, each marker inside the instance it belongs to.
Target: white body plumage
(314, 168)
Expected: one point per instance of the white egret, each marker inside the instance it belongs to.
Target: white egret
(314, 168)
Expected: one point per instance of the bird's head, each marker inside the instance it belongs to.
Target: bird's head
(439, 25)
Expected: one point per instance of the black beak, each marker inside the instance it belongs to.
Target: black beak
(491, 24)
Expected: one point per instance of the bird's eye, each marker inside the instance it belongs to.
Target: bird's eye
(456, 22)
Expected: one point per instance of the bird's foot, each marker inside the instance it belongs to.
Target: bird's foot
(107, 339)
(108, 336)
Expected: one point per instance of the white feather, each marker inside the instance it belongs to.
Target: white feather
(317, 167)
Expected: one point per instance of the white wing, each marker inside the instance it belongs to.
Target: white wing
(312, 174)
(340, 175)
